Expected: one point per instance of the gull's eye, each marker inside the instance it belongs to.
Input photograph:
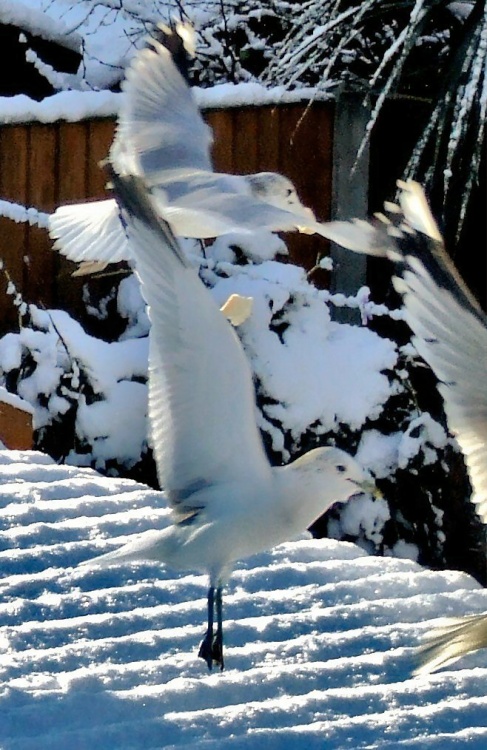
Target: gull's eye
(341, 468)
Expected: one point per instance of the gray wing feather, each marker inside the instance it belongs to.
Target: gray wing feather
(159, 119)
(449, 326)
(452, 641)
(200, 386)
(89, 232)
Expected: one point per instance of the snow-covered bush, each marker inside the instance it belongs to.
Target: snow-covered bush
(89, 396)
(318, 382)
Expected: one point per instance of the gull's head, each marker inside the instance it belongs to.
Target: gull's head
(334, 474)
(314, 482)
(279, 191)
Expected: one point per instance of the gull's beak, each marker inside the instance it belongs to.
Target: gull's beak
(369, 487)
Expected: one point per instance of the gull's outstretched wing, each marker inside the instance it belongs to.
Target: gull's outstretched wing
(451, 641)
(89, 232)
(201, 396)
(162, 137)
(212, 210)
(449, 326)
(159, 120)
(451, 335)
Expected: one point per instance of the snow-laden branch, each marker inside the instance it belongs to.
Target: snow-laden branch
(59, 81)
(21, 214)
(359, 301)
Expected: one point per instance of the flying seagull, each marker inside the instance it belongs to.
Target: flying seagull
(227, 501)
(162, 137)
(450, 333)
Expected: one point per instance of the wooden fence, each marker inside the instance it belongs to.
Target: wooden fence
(47, 165)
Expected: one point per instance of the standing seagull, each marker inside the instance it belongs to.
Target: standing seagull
(169, 146)
(227, 501)
(450, 333)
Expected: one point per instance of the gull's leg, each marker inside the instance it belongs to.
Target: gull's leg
(206, 646)
(217, 650)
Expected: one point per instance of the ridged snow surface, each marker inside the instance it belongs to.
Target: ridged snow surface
(319, 636)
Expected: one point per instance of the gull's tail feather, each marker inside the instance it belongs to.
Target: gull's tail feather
(89, 232)
(450, 642)
(153, 545)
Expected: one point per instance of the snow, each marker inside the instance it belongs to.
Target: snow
(242, 94)
(310, 367)
(71, 106)
(74, 106)
(423, 434)
(26, 16)
(19, 213)
(12, 400)
(108, 35)
(320, 636)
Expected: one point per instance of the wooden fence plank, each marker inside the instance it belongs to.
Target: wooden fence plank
(72, 175)
(301, 154)
(72, 186)
(319, 120)
(13, 187)
(39, 280)
(245, 140)
(222, 124)
(100, 136)
(268, 143)
(16, 431)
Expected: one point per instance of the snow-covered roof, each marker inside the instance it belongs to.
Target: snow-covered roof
(107, 34)
(28, 17)
(319, 636)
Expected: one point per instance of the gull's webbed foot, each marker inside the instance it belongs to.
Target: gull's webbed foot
(211, 647)
(211, 650)
(217, 650)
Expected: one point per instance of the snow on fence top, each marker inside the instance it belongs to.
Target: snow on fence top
(71, 106)
(74, 106)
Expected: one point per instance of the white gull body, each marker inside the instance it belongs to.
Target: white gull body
(227, 501)
(450, 333)
(171, 145)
